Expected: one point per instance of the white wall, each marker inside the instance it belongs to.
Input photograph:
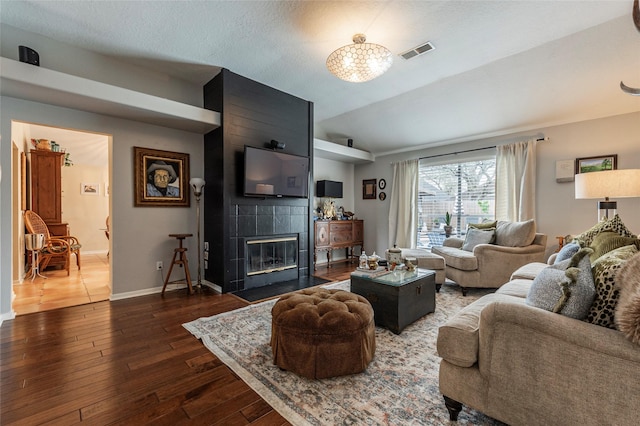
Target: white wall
(325, 169)
(86, 214)
(58, 56)
(558, 213)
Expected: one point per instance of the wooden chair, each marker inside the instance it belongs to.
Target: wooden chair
(56, 246)
(107, 231)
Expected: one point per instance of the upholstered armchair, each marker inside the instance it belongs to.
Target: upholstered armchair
(490, 265)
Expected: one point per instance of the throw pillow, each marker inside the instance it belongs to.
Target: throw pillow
(515, 234)
(605, 270)
(478, 236)
(566, 252)
(565, 288)
(484, 225)
(614, 224)
(606, 241)
(627, 315)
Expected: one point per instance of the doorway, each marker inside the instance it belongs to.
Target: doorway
(85, 164)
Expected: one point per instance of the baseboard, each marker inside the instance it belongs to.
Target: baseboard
(156, 290)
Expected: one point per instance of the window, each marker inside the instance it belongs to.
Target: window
(464, 189)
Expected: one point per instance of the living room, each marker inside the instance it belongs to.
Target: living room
(567, 140)
(140, 235)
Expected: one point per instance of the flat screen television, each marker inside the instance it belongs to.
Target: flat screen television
(269, 173)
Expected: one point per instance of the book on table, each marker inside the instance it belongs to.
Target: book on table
(369, 273)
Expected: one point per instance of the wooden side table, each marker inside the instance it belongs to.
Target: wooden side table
(180, 259)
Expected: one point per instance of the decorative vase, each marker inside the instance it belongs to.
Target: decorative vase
(44, 145)
(447, 230)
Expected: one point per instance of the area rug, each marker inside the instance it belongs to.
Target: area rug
(399, 387)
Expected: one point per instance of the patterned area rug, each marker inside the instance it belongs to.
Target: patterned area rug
(399, 387)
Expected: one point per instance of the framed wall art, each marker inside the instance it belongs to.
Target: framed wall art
(597, 164)
(369, 189)
(89, 189)
(160, 178)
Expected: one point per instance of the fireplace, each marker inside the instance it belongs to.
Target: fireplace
(270, 259)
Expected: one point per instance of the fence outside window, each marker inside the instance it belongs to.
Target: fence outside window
(464, 189)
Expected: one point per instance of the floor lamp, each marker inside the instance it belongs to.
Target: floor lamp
(197, 184)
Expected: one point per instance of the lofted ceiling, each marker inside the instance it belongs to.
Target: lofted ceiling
(499, 66)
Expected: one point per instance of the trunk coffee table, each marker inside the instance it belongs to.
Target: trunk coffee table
(399, 297)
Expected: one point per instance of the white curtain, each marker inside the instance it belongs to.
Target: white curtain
(516, 181)
(403, 212)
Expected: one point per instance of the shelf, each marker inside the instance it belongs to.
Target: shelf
(334, 151)
(33, 83)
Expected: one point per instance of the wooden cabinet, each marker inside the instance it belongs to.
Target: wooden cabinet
(337, 234)
(46, 185)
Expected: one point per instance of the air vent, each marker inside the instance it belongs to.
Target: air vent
(418, 50)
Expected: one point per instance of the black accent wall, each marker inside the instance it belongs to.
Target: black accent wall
(252, 114)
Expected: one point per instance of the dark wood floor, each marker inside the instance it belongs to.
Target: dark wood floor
(126, 362)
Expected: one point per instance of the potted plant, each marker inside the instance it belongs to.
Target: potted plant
(447, 225)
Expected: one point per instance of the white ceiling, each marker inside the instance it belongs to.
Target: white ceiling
(499, 66)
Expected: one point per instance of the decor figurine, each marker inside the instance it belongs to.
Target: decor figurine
(329, 209)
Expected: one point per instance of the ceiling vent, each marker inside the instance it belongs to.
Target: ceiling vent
(418, 50)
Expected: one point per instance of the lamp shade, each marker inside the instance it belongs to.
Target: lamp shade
(360, 61)
(197, 184)
(608, 184)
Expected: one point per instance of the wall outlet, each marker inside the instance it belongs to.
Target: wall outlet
(159, 265)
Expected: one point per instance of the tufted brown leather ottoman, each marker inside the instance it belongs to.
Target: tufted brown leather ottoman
(319, 333)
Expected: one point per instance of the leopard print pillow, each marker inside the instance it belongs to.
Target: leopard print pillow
(614, 224)
(604, 271)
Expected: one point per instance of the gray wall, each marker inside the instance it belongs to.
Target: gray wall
(558, 212)
(139, 235)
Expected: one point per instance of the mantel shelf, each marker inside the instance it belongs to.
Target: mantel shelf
(24, 81)
(334, 151)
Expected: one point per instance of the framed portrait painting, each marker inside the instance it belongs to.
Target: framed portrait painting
(160, 178)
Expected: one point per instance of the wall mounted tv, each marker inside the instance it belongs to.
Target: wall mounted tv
(269, 173)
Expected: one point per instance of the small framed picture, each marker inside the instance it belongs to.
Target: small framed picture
(369, 189)
(597, 164)
(382, 196)
(161, 178)
(382, 184)
(89, 189)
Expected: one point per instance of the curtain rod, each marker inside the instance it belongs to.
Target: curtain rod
(472, 150)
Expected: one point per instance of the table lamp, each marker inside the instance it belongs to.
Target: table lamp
(608, 184)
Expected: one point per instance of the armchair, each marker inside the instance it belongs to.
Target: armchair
(57, 246)
(491, 265)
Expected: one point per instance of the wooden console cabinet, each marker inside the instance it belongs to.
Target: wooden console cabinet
(337, 234)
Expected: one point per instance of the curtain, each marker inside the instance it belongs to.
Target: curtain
(403, 213)
(516, 181)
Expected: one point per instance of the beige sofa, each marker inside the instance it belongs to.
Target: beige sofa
(528, 366)
(491, 265)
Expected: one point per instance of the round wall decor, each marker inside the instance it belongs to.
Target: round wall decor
(382, 183)
(382, 196)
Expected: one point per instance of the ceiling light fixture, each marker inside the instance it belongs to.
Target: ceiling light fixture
(360, 61)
